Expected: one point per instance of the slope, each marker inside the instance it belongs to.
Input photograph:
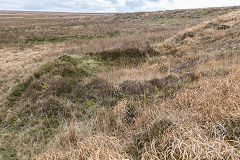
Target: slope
(179, 101)
(198, 121)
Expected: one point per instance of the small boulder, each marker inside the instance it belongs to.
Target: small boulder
(217, 26)
(223, 27)
(187, 35)
(211, 25)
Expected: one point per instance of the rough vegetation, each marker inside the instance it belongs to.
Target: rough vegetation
(176, 97)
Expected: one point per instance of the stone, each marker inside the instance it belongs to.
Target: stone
(223, 27)
(187, 35)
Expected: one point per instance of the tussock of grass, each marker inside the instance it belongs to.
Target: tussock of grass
(127, 57)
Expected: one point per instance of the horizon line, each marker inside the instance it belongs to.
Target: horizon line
(74, 12)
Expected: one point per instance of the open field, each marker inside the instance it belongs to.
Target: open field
(155, 85)
(29, 39)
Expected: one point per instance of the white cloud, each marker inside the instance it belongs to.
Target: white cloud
(111, 5)
(10, 5)
(184, 4)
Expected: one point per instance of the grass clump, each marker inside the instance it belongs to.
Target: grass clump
(127, 57)
(67, 66)
(157, 130)
(96, 91)
(143, 140)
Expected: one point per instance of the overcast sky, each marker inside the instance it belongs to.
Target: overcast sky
(95, 6)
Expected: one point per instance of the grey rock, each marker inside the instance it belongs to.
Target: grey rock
(18, 120)
(223, 27)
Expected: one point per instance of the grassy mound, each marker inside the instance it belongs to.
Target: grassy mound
(41, 102)
(127, 57)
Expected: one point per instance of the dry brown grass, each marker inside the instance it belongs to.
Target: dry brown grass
(19, 58)
(201, 121)
(180, 104)
(144, 73)
(203, 115)
(93, 148)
